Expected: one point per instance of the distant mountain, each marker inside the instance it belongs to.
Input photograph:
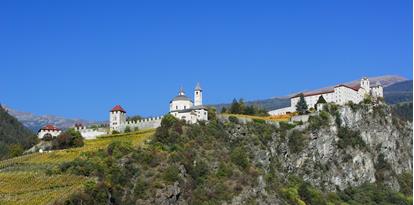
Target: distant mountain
(35, 122)
(399, 92)
(14, 137)
(396, 89)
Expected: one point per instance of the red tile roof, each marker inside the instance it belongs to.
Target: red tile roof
(353, 87)
(117, 108)
(50, 127)
(316, 93)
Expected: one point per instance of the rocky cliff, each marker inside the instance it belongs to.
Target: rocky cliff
(365, 144)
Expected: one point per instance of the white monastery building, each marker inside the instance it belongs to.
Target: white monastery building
(48, 130)
(340, 94)
(183, 108)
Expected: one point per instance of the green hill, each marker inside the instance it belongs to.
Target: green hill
(14, 137)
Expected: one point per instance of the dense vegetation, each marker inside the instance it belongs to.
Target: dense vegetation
(14, 137)
(205, 164)
(239, 107)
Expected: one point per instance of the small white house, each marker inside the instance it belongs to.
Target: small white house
(183, 108)
(48, 130)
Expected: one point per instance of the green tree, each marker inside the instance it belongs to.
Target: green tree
(302, 106)
(69, 138)
(15, 150)
(235, 107)
(127, 129)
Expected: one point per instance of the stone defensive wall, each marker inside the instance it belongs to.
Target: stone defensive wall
(152, 122)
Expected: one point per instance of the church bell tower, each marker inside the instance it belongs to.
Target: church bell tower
(198, 95)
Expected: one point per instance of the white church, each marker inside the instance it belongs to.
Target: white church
(340, 94)
(183, 108)
(180, 106)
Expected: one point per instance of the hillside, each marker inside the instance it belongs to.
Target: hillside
(14, 137)
(35, 122)
(344, 155)
(399, 92)
(33, 179)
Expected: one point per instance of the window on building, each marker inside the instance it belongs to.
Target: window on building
(176, 107)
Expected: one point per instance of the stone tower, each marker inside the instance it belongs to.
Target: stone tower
(365, 84)
(198, 95)
(117, 119)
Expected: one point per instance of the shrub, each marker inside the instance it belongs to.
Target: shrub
(348, 137)
(286, 126)
(233, 119)
(406, 181)
(171, 174)
(119, 148)
(239, 157)
(127, 129)
(224, 170)
(297, 141)
(311, 195)
(318, 121)
(199, 171)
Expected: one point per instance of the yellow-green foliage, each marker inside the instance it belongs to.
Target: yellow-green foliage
(33, 186)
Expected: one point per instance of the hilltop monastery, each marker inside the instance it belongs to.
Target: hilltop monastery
(182, 107)
(340, 94)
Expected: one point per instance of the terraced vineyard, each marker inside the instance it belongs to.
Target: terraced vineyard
(23, 180)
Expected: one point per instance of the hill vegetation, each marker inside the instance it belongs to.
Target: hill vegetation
(14, 137)
(227, 162)
(34, 180)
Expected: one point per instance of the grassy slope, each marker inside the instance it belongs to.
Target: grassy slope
(24, 180)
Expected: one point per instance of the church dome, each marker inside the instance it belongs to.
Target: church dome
(181, 97)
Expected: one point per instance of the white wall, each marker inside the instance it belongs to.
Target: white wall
(54, 133)
(180, 105)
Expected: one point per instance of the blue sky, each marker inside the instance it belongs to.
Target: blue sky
(79, 58)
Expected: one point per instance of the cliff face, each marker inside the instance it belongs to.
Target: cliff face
(365, 144)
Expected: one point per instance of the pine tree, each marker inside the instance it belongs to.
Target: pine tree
(302, 107)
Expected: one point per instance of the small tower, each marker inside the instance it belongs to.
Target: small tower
(198, 95)
(117, 118)
(365, 84)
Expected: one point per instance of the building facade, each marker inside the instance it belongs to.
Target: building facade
(48, 130)
(183, 108)
(340, 94)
